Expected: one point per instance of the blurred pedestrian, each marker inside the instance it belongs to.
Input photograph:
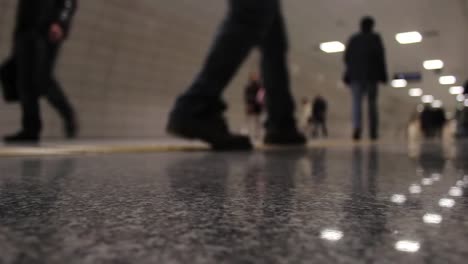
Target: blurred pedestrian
(365, 68)
(198, 112)
(319, 116)
(41, 28)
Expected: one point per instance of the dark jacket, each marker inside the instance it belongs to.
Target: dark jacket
(365, 58)
(319, 109)
(36, 16)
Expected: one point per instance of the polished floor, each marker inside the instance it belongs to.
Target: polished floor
(367, 203)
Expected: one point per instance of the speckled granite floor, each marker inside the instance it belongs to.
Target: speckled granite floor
(362, 204)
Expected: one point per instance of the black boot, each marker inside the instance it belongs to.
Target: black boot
(22, 138)
(210, 129)
(357, 134)
(71, 128)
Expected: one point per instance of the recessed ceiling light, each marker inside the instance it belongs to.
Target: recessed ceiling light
(433, 64)
(427, 99)
(332, 47)
(446, 203)
(415, 92)
(437, 104)
(447, 80)
(408, 246)
(456, 90)
(456, 191)
(331, 234)
(460, 98)
(432, 218)
(399, 83)
(409, 37)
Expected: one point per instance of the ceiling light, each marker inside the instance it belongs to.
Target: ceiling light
(409, 37)
(437, 104)
(331, 234)
(399, 83)
(461, 98)
(456, 192)
(408, 246)
(456, 90)
(427, 181)
(432, 219)
(433, 64)
(427, 99)
(332, 47)
(415, 92)
(446, 202)
(436, 176)
(398, 198)
(447, 80)
(415, 189)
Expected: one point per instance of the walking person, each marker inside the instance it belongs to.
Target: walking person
(41, 28)
(365, 68)
(319, 116)
(198, 112)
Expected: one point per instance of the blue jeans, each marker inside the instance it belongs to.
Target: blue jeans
(249, 24)
(359, 90)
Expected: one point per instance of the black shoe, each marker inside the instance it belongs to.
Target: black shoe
(286, 137)
(22, 138)
(71, 128)
(374, 134)
(357, 135)
(212, 129)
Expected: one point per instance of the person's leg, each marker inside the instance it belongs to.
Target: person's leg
(198, 112)
(245, 26)
(281, 124)
(315, 128)
(324, 127)
(54, 92)
(28, 90)
(357, 94)
(373, 110)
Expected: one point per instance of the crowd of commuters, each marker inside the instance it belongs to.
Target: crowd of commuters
(198, 113)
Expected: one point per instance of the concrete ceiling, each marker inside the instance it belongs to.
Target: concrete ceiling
(444, 25)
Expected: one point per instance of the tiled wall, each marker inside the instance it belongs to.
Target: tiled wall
(126, 60)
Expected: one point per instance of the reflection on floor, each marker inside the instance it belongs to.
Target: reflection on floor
(348, 204)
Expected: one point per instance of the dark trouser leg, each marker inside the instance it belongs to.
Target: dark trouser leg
(324, 128)
(52, 89)
(315, 129)
(246, 24)
(373, 110)
(357, 93)
(279, 101)
(59, 101)
(28, 84)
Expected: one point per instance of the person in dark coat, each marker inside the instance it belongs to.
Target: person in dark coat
(198, 112)
(319, 116)
(41, 28)
(365, 68)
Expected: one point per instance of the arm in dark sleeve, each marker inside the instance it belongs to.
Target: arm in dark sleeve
(347, 60)
(64, 12)
(382, 60)
(347, 51)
